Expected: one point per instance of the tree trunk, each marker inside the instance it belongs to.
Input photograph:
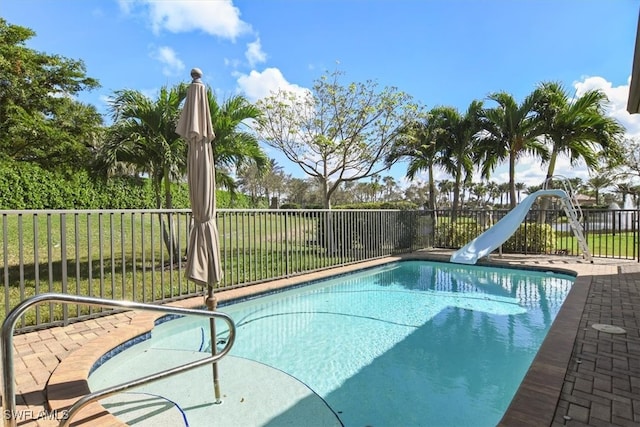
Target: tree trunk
(544, 204)
(170, 239)
(512, 180)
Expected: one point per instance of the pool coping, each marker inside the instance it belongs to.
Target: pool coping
(534, 403)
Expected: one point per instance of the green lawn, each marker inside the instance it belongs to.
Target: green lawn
(123, 256)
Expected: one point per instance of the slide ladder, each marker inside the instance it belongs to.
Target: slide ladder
(573, 211)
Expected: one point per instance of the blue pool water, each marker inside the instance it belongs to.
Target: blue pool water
(412, 343)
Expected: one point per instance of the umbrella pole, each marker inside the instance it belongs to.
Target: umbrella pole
(212, 302)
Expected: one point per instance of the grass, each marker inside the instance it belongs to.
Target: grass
(612, 245)
(122, 255)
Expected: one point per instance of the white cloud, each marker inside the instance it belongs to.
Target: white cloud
(618, 96)
(172, 64)
(215, 17)
(257, 85)
(254, 53)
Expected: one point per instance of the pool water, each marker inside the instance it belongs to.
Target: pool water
(412, 343)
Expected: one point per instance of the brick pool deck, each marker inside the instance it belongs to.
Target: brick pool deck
(580, 377)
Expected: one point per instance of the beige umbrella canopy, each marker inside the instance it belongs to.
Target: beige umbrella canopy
(194, 125)
(203, 251)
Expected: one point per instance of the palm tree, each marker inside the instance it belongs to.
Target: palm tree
(624, 189)
(250, 181)
(493, 189)
(576, 128)
(597, 184)
(143, 135)
(520, 186)
(480, 190)
(273, 180)
(445, 188)
(509, 131)
(420, 146)
(454, 133)
(234, 146)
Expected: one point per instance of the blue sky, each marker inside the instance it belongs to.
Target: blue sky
(442, 52)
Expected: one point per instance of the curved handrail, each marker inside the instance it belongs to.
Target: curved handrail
(6, 344)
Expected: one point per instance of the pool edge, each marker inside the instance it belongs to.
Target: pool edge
(536, 400)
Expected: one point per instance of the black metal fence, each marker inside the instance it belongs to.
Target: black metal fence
(139, 255)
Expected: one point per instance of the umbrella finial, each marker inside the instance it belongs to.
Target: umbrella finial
(196, 74)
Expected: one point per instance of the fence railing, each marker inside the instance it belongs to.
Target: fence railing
(139, 255)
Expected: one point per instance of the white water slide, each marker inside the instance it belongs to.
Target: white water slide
(495, 236)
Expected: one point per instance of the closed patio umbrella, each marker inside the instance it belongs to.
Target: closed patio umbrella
(203, 251)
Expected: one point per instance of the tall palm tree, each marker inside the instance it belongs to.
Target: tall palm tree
(510, 130)
(143, 135)
(421, 148)
(455, 135)
(577, 128)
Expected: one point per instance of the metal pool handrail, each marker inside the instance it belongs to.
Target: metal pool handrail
(10, 413)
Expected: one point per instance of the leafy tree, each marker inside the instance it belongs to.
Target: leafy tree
(390, 188)
(597, 183)
(273, 180)
(510, 130)
(418, 193)
(40, 122)
(250, 181)
(335, 133)
(297, 191)
(630, 166)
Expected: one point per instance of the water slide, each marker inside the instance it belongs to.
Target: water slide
(495, 236)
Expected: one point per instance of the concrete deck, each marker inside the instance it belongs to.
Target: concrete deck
(580, 377)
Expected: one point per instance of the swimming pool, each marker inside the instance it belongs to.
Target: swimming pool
(408, 343)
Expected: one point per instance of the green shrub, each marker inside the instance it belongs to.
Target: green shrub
(27, 186)
(541, 239)
(456, 234)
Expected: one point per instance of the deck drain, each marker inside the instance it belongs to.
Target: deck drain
(608, 328)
